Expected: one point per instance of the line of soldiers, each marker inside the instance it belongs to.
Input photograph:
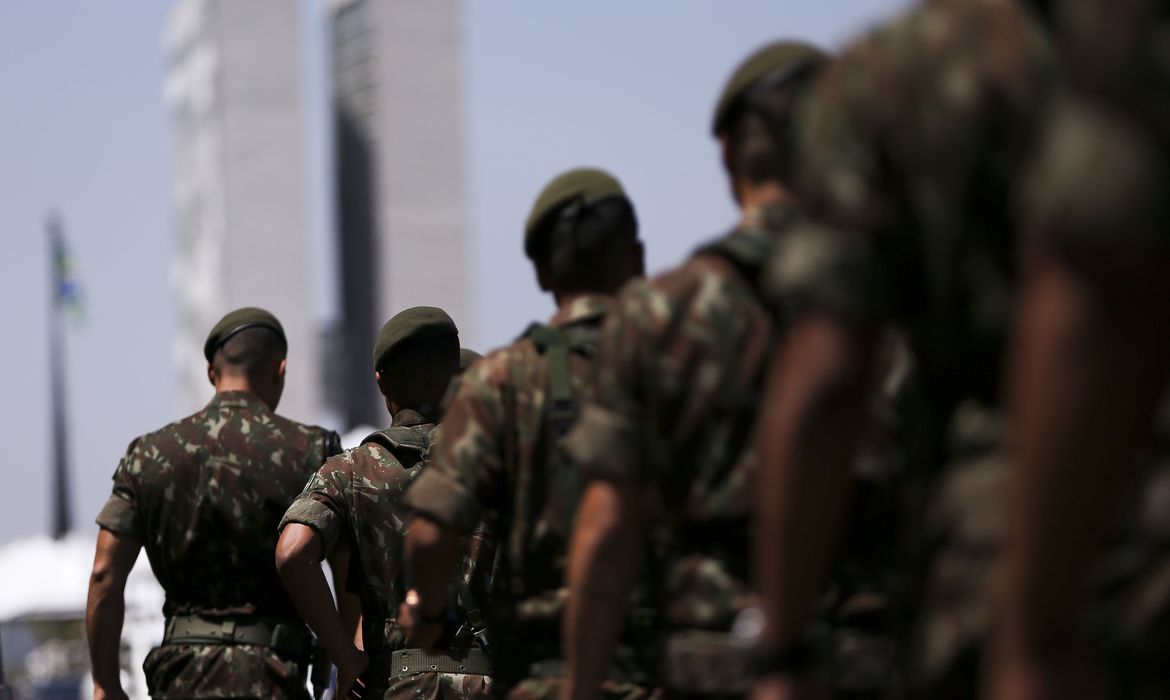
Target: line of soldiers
(782, 468)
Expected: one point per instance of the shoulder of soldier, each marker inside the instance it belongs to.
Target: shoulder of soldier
(688, 288)
(316, 437)
(503, 366)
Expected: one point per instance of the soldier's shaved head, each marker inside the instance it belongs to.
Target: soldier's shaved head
(251, 353)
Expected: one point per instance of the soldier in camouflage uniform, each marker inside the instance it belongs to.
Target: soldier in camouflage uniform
(354, 503)
(1092, 354)
(498, 458)
(203, 495)
(664, 443)
(911, 150)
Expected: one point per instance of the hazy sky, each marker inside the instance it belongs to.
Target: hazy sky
(628, 86)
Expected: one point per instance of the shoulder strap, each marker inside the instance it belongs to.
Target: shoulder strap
(408, 444)
(748, 251)
(558, 344)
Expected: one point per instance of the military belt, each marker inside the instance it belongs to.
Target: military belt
(284, 638)
(409, 662)
(706, 662)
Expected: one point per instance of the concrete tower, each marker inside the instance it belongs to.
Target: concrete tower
(399, 178)
(241, 186)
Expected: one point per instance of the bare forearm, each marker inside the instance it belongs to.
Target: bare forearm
(298, 561)
(432, 552)
(1085, 383)
(816, 407)
(602, 557)
(105, 611)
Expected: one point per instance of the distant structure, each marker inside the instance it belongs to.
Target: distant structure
(241, 184)
(399, 180)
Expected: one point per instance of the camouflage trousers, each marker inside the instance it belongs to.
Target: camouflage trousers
(1128, 617)
(223, 671)
(440, 686)
(549, 688)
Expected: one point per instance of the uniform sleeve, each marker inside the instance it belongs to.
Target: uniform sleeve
(465, 471)
(606, 442)
(120, 513)
(827, 262)
(322, 505)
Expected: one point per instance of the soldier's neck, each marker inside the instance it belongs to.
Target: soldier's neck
(566, 300)
(233, 383)
(756, 196)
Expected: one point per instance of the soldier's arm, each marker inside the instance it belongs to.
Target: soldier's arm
(448, 498)
(298, 561)
(816, 404)
(1089, 367)
(348, 603)
(106, 607)
(607, 538)
(432, 551)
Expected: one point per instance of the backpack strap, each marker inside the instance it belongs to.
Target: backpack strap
(558, 345)
(407, 444)
(748, 250)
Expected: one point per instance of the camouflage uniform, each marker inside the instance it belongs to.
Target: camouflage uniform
(911, 151)
(355, 500)
(204, 496)
(493, 460)
(679, 370)
(1101, 183)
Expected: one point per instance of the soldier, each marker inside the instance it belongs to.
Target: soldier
(911, 148)
(498, 456)
(354, 503)
(1092, 354)
(203, 495)
(664, 443)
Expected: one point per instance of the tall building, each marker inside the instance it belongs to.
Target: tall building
(399, 180)
(241, 184)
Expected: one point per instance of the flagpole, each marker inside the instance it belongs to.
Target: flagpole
(60, 479)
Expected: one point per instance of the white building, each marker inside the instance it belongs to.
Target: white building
(234, 89)
(400, 179)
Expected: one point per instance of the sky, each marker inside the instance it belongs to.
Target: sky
(546, 86)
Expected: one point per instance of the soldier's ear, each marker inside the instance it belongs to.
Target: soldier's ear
(542, 277)
(380, 380)
(211, 374)
(281, 370)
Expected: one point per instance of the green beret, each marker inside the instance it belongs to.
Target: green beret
(466, 357)
(411, 326)
(776, 63)
(239, 320)
(588, 184)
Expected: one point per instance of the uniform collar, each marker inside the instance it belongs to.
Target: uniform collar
(410, 417)
(586, 307)
(238, 399)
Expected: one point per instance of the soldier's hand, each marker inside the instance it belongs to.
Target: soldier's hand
(803, 686)
(421, 632)
(100, 693)
(349, 670)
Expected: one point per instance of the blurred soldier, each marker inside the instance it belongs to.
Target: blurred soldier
(355, 502)
(499, 453)
(204, 495)
(1093, 348)
(664, 444)
(910, 148)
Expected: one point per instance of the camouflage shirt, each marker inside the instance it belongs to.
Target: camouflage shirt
(492, 461)
(910, 148)
(355, 500)
(204, 496)
(679, 370)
